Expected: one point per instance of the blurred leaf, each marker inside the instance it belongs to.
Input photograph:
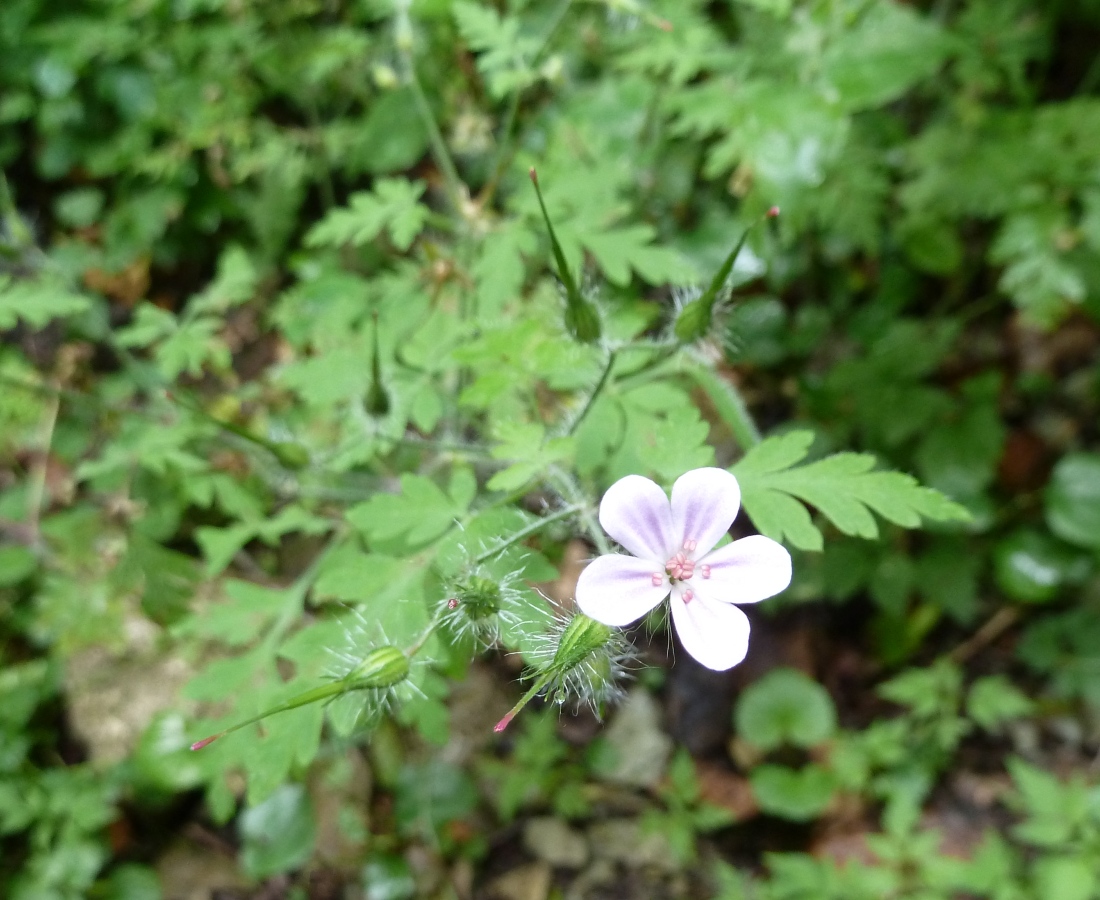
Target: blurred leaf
(1072, 501)
(392, 205)
(994, 699)
(277, 834)
(37, 302)
(796, 794)
(785, 707)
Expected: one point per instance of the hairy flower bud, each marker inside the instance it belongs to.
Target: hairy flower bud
(583, 661)
(292, 455)
(381, 668)
(582, 637)
(694, 320)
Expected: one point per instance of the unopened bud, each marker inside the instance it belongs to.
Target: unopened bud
(293, 456)
(479, 597)
(695, 319)
(582, 321)
(377, 401)
(381, 668)
(582, 637)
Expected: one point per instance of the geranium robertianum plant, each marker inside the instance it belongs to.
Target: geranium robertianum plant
(580, 656)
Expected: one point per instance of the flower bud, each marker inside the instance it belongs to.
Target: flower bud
(381, 668)
(582, 637)
(478, 597)
(582, 321)
(292, 455)
(586, 664)
(377, 400)
(694, 320)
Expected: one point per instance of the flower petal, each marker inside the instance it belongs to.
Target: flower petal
(704, 505)
(716, 634)
(618, 590)
(635, 512)
(746, 571)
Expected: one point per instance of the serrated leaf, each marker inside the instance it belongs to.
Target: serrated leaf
(890, 48)
(844, 487)
(421, 513)
(619, 250)
(37, 302)
(234, 284)
(503, 52)
(393, 205)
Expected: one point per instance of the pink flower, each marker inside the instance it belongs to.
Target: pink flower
(672, 553)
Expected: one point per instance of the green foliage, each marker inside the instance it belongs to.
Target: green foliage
(686, 815)
(785, 707)
(286, 369)
(844, 487)
(393, 205)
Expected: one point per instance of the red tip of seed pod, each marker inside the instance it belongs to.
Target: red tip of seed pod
(773, 212)
(503, 723)
(205, 742)
(664, 24)
(533, 174)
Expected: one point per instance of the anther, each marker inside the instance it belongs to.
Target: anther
(656, 578)
(690, 546)
(688, 597)
(706, 571)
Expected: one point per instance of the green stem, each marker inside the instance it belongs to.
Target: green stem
(728, 402)
(526, 532)
(563, 482)
(600, 384)
(523, 701)
(321, 692)
(456, 189)
(422, 638)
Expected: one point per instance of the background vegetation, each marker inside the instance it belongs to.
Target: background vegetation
(278, 311)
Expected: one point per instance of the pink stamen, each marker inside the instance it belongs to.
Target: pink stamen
(657, 578)
(452, 603)
(680, 567)
(688, 597)
(690, 546)
(706, 571)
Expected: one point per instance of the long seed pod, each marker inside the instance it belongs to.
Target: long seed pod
(581, 319)
(695, 318)
(380, 669)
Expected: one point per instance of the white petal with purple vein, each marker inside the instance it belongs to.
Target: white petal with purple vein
(618, 590)
(635, 512)
(716, 634)
(704, 505)
(746, 571)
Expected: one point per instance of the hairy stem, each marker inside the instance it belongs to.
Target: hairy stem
(456, 189)
(729, 403)
(523, 533)
(592, 397)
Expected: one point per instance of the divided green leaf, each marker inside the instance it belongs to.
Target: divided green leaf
(845, 488)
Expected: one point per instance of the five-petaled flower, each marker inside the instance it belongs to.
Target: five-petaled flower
(672, 553)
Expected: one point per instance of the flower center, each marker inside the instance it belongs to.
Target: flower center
(681, 567)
